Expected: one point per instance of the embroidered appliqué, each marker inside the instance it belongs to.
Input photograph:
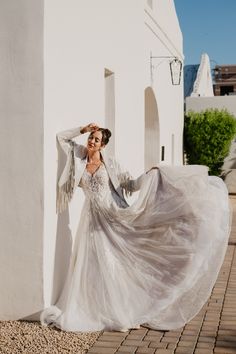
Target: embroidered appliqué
(96, 185)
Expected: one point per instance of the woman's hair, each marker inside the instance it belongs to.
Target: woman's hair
(106, 134)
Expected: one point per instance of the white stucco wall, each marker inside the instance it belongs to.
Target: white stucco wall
(21, 149)
(167, 21)
(198, 104)
(81, 40)
(163, 37)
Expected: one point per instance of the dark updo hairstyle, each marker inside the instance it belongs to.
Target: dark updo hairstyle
(106, 134)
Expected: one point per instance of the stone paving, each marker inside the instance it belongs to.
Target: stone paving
(213, 330)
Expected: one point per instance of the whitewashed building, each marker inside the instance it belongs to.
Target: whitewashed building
(198, 79)
(67, 63)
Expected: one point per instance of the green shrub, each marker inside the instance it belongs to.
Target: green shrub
(207, 137)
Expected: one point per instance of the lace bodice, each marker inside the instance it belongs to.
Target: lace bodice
(95, 185)
(98, 186)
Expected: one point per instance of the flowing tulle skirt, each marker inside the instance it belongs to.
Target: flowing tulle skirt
(153, 263)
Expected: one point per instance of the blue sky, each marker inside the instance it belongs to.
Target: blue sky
(208, 26)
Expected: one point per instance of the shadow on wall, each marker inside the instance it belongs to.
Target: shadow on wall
(63, 247)
(64, 241)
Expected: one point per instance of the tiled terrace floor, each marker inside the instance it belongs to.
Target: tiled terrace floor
(213, 330)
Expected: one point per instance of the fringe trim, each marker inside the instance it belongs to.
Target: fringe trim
(126, 183)
(66, 191)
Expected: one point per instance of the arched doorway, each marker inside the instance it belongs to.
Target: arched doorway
(152, 131)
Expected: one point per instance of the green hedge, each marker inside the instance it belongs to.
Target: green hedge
(207, 137)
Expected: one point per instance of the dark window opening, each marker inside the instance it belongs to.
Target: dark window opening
(225, 90)
(162, 153)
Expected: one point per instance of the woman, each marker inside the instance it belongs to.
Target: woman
(154, 262)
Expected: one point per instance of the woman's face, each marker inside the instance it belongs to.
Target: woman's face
(94, 141)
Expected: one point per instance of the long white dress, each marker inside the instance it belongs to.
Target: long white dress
(154, 262)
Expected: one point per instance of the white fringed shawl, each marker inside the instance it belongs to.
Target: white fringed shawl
(65, 190)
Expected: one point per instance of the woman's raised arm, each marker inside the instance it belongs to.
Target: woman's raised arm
(65, 137)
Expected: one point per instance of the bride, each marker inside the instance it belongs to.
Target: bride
(154, 262)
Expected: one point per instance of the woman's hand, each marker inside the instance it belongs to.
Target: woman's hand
(153, 168)
(89, 128)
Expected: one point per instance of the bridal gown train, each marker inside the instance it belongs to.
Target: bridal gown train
(154, 262)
